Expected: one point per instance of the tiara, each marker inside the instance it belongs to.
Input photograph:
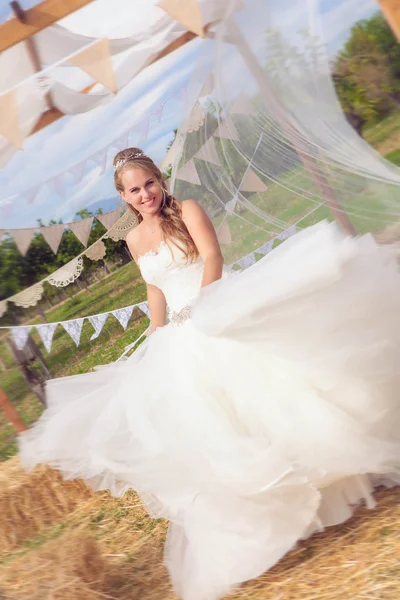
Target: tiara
(130, 156)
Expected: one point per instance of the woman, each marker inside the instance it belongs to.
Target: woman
(267, 407)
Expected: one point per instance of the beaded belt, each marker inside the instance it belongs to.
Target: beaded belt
(178, 318)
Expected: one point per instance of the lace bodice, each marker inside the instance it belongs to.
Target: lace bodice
(167, 269)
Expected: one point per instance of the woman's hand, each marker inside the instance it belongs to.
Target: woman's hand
(204, 236)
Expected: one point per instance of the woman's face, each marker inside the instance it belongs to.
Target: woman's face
(141, 190)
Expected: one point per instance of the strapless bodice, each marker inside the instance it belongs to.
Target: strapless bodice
(169, 270)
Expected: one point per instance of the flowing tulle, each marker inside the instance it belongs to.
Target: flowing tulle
(264, 417)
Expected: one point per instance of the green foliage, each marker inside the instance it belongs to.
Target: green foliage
(367, 71)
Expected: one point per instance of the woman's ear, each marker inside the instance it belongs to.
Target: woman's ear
(122, 194)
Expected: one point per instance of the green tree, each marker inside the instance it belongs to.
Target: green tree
(366, 76)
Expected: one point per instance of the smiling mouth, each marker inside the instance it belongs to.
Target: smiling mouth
(149, 202)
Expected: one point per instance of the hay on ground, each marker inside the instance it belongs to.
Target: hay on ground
(31, 501)
(358, 560)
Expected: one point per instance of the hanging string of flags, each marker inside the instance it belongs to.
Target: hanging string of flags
(69, 272)
(250, 259)
(101, 158)
(74, 327)
(53, 233)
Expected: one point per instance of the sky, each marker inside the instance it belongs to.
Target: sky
(73, 139)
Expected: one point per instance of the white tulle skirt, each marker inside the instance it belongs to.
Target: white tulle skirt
(267, 415)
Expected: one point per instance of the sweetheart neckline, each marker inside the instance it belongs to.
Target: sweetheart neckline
(155, 252)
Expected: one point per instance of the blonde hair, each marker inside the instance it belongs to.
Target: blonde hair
(172, 226)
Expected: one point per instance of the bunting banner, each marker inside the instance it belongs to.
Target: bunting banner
(252, 183)
(53, 233)
(188, 173)
(73, 327)
(208, 152)
(242, 106)
(82, 229)
(23, 238)
(96, 61)
(224, 233)
(188, 13)
(227, 130)
(9, 119)
(250, 259)
(69, 272)
(101, 157)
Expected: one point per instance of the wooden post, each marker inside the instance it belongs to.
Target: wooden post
(31, 48)
(11, 412)
(391, 12)
(34, 380)
(308, 161)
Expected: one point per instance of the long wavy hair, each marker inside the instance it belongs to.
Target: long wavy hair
(172, 226)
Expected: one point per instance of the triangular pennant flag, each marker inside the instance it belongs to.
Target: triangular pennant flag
(122, 142)
(208, 86)
(20, 336)
(231, 205)
(227, 130)
(82, 229)
(53, 234)
(247, 261)
(108, 219)
(78, 170)
(30, 195)
(98, 323)
(188, 173)
(265, 248)
(123, 315)
(158, 111)
(208, 152)
(252, 183)
(58, 185)
(186, 12)
(287, 233)
(142, 128)
(224, 233)
(100, 158)
(46, 333)
(74, 329)
(96, 62)
(23, 238)
(144, 307)
(9, 119)
(241, 106)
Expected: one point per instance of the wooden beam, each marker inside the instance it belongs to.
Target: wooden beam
(36, 19)
(391, 12)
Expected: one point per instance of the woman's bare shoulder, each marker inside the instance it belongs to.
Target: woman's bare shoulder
(133, 239)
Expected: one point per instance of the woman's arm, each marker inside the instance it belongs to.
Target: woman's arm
(204, 236)
(157, 305)
(155, 297)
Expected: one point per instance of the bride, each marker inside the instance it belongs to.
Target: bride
(266, 408)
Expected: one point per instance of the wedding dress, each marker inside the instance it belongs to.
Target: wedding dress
(262, 414)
